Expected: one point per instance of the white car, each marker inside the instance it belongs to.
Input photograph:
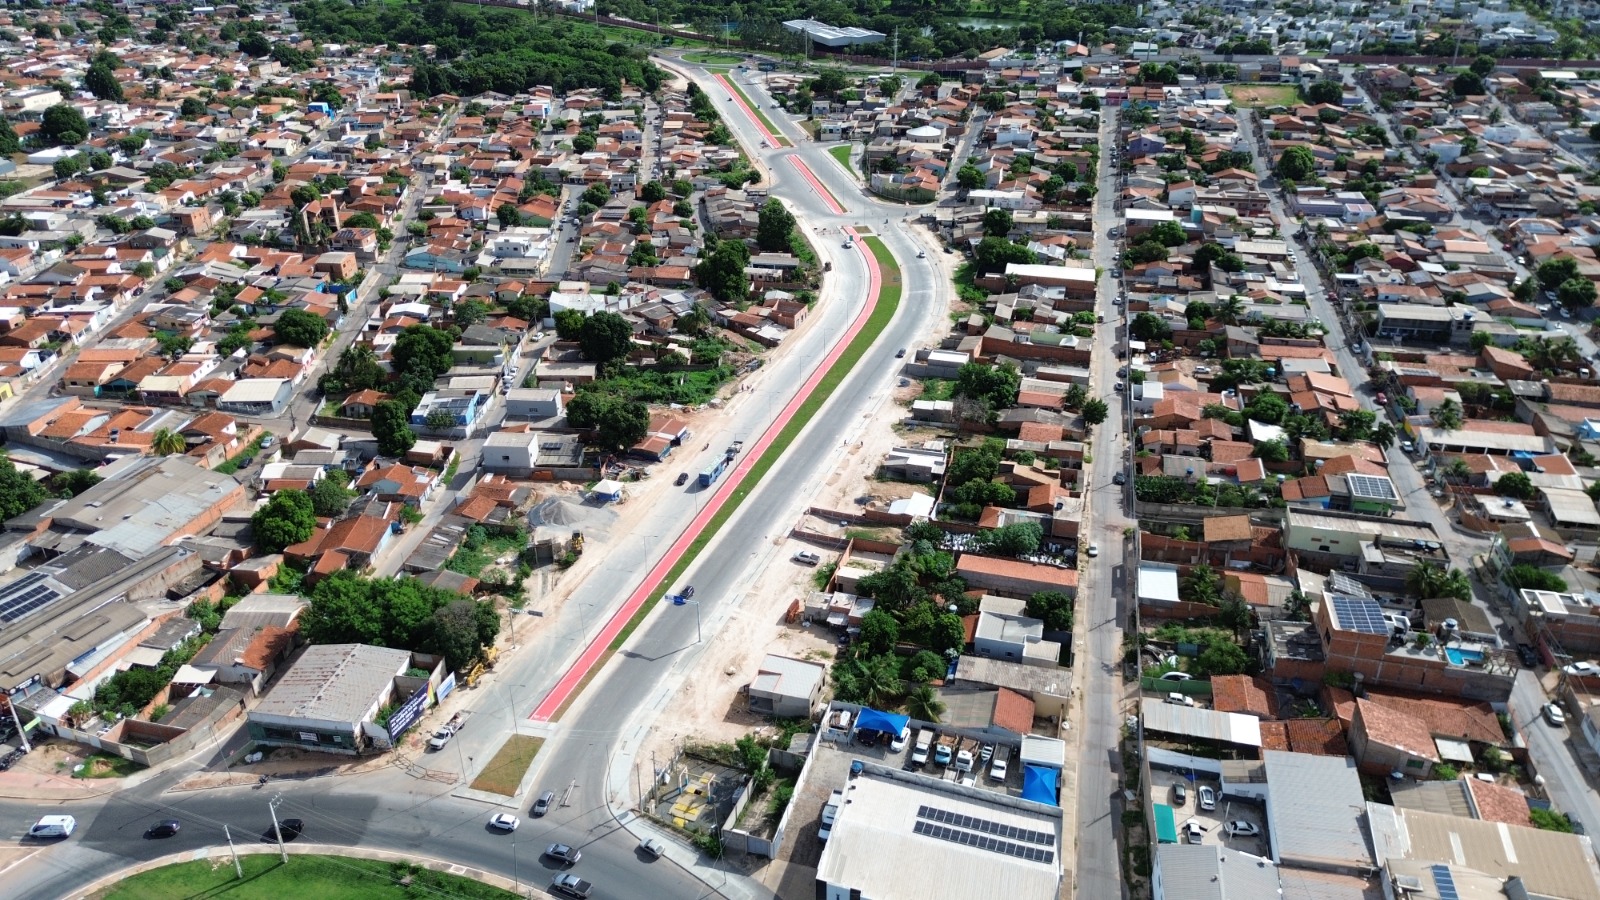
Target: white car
(1554, 715)
(1094, 549)
(900, 740)
(1581, 668)
(504, 822)
(1241, 828)
(1192, 831)
(1176, 676)
(1208, 798)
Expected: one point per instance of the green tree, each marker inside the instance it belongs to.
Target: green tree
(1221, 657)
(1054, 608)
(652, 192)
(1095, 411)
(299, 328)
(774, 226)
(1515, 484)
(1552, 272)
(286, 518)
(391, 426)
(508, 215)
(997, 223)
(606, 336)
(618, 422)
(721, 272)
(569, 324)
(597, 194)
(1468, 84)
(329, 496)
(423, 352)
(1447, 415)
(100, 81)
(1150, 327)
(923, 704)
(1526, 577)
(879, 632)
(1168, 234)
(1576, 293)
(73, 482)
(10, 144)
(1483, 64)
(1296, 164)
(61, 121)
(18, 491)
(166, 442)
(969, 177)
(994, 254)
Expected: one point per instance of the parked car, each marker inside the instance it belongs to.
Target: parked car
(163, 829)
(652, 848)
(1407, 447)
(1119, 478)
(806, 558)
(1583, 667)
(681, 479)
(1094, 549)
(504, 822)
(1528, 656)
(900, 740)
(1192, 832)
(1180, 795)
(1554, 715)
(542, 805)
(1208, 797)
(1241, 828)
(1382, 399)
(564, 854)
(1176, 676)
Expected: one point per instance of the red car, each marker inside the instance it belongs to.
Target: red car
(1382, 400)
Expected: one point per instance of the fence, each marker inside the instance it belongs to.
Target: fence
(170, 743)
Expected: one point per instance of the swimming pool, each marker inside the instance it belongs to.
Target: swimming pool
(1460, 657)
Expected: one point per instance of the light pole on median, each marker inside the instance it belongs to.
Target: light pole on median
(679, 600)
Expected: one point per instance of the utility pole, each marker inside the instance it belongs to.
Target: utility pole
(894, 52)
(276, 830)
(237, 869)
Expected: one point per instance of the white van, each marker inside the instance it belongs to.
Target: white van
(53, 827)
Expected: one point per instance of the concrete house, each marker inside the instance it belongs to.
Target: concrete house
(327, 697)
(785, 687)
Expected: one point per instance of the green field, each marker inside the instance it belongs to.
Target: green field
(323, 877)
(883, 310)
(712, 58)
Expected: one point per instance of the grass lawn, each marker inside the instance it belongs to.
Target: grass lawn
(504, 773)
(842, 154)
(323, 877)
(756, 108)
(712, 58)
(105, 765)
(883, 309)
(1256, 95)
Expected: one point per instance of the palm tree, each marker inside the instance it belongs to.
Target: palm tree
(1429, 580)
(1229, 310)
(881, 686)
(923, 703)
(167, 442)
(1447, 415)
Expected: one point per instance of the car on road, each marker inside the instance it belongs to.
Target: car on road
(163, 829)
(1192, 832)
(268, 441)
(571, 885)
(900, 354)
(504, 822)
(1553, 714)
(1382, 399)
(1583, 667)
(681, 479)
(922, 254)
(1094, 549)
(806, 558)
(542, 805)
(1119, 478)
(1241, 828)
(291, 828)
(1407, 447)
(1528, 656)
(1176, 676)
(1121, 387)
(1208, 797)
(652, 848)
(564, 853)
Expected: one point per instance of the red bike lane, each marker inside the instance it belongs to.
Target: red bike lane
(598, 649)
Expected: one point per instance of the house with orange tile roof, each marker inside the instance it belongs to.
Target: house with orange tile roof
(1015, 578)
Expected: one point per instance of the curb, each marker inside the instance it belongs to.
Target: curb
(211, 853)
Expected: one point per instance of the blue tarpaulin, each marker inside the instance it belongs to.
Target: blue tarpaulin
(875, 720)
(1039, 784)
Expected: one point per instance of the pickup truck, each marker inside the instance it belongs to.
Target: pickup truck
(571, 885)
(446, 732)
(919, 752)
(945, 751)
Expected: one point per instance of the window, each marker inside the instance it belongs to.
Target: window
(1413, 763)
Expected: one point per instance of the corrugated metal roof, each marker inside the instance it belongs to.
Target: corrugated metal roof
(1315, 812)
(1192, 721)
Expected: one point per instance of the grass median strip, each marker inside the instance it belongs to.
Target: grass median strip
(503, 774)
(883, 310)
(756, 108)
(842, 154)
(323, 877)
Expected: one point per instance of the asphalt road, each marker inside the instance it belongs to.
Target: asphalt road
(1557, 753)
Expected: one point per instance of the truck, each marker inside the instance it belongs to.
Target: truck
(966, 755)
(997, 766)
(919, 752)
(945, 751)
(446, 732)
(830, 811)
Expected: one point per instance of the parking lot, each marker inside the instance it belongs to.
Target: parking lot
(1213, 824)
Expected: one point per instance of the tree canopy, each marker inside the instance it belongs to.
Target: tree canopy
(299, 328)
(18, 491)
(618, 422)
(402, 613)
(605, 336)
(287, 517)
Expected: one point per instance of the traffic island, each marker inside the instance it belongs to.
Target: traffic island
(266, 877)
(505, 772)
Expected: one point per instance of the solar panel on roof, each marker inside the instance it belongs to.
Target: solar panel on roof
(1445, 882)
(1364, 616)
(1371, 487)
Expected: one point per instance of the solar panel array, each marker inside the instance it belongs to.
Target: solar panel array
(946, 817)
(1365, 616)
(1445, 882)
(984, 842)
(1371, 487)
(25, 595)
